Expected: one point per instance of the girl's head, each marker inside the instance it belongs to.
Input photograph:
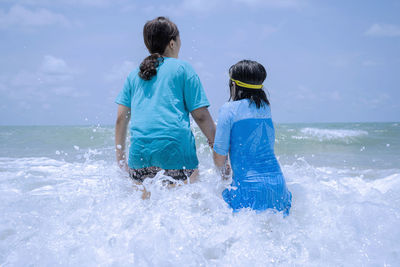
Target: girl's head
(243, 75)
(161, 37)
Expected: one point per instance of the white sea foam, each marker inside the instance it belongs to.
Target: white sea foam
(89, 214)
(329, 134)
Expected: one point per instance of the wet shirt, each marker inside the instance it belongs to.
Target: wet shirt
(248, 135)
(160, 132)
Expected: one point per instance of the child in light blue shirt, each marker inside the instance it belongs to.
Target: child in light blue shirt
(246, 133)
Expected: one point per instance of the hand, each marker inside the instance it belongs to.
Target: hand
(210, 143)
(226, 171)
(123, 165)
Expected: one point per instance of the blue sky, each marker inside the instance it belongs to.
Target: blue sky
(63, 62)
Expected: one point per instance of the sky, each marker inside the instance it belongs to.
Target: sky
(63, 62)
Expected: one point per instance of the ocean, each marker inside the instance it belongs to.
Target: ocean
(63, 202)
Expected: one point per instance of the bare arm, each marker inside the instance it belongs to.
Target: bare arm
(222, 165)
(121, 125)
(219, 160)
(203, 119)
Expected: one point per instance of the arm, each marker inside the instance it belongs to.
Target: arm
(222, 142)
(121, 125)
(203, 119)
(219, 160)
(223, 167)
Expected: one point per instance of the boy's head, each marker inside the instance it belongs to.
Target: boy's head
(246, 79)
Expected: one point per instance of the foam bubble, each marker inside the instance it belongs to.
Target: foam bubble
(329, 134)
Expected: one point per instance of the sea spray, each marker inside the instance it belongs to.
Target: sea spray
(62, 209)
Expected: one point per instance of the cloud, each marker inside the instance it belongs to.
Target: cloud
(54, 65)
(75, 3)
(272, 3)
(370, 63)
(55, 70)
(53, 77)
(19, 16)
(128, 8)
(334, 95)
(242, 34)
(3, 81)
(379, 100)
(340, 61)
(95, 3)
(201, 7)
(67, 91)
(305, 93)
(267, 30)
(120, 72)
(383, 30)
(203, 71)
(183, 7)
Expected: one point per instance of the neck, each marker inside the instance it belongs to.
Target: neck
(169, 53)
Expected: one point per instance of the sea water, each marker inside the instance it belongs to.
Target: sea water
(64, 202)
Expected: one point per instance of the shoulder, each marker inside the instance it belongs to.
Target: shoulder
(265, 110)
(238, 104)
(252, 111)
(228, 109)
(134, 74)
(180, 63)
(228, 105)
(183, 67)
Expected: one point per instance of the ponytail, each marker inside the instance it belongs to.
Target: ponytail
(157, 34)
(148, 68)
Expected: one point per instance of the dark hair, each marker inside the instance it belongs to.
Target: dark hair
(157, 33)
(251, 72)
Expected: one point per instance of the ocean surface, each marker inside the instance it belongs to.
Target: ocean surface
(63, 202)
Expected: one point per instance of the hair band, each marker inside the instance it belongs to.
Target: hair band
(247, 85)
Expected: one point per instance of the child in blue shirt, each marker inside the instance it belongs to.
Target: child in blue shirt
(246, 133)
(157, 99)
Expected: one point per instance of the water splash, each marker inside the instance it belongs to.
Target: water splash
(59, 211)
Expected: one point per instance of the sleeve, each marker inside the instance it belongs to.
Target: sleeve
(193, 92)
(223, 133)
(125, 96)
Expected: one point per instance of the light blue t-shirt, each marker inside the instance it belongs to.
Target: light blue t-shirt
(247, 134)
(160, 126)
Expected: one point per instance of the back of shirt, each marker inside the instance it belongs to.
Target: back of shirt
(160, 125)
(248, 134)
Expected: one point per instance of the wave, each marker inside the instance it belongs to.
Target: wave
(329, 134)
(88, 213)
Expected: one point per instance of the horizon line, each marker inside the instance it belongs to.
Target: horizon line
(106, 124)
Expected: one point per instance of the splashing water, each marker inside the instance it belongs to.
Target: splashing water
(329, 134)
(76, 208)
